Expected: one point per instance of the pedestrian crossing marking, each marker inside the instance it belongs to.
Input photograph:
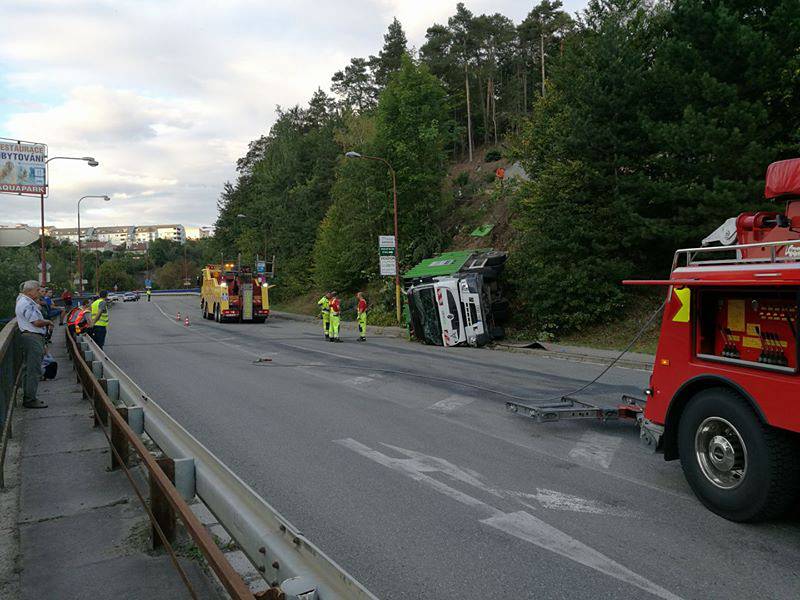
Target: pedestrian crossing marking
(596, 449)
(451, 403)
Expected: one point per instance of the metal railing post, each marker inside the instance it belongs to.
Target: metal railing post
(120, 442)
(159, 504)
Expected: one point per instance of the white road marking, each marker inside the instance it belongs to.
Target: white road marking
(451, 403)
(596, 449)
(520, 524)
(524, 526)
(360, 380)
(554, 500)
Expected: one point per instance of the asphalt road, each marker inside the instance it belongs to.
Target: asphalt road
(400, 462)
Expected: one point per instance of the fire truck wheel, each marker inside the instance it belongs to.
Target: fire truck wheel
(738, 467)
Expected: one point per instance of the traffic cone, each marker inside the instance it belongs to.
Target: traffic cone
(178, 316)
(186, 322)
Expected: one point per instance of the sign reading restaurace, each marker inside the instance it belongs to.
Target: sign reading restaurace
(22, 167)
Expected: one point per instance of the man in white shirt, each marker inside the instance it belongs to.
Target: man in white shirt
(34, 328)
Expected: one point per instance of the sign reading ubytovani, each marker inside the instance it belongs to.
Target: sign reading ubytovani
(22, 167)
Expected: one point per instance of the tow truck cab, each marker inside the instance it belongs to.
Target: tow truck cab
(724, 395)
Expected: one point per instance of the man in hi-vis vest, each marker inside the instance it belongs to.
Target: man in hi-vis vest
(100, 319)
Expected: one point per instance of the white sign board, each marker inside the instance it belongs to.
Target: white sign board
(386, 241)
(388, 265)
(22, 167)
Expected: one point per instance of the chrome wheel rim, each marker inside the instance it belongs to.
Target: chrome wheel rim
(721, 453)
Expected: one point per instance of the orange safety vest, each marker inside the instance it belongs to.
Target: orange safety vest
(77, 317)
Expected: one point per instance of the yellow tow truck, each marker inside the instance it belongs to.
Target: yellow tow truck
(232, 293)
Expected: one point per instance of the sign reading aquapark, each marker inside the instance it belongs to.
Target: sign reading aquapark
(22, 167)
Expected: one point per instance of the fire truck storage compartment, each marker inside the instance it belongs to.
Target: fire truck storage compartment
(751, 328)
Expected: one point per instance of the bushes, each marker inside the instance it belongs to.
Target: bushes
(492, 155)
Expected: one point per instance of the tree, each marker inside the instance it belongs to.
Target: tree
(412, 129)
(16, 265)
(390, 57)
(112, 273)
(658, 124)
(463, 44)
(355, 85)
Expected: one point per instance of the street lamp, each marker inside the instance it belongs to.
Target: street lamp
(352, 154)
(80, 263)
(92, 162)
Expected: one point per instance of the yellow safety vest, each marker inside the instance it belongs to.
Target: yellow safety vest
(324, 303)
(102, 321)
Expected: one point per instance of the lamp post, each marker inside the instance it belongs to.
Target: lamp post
(80, 263)
(92, 163)
(396, 237)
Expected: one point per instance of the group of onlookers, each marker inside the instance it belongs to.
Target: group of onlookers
(35, 313)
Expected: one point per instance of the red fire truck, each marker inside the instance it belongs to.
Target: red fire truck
(724, 396)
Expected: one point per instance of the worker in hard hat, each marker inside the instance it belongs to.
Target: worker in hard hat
(361, 317)
(325, 308)
(335, 306)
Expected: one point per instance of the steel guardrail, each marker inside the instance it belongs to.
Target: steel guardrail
(105, 409)
(10, 371)
(278, 549)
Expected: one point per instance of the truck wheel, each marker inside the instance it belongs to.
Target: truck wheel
(216, 314)
(738, 467)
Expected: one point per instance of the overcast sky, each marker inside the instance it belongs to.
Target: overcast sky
(166, 94)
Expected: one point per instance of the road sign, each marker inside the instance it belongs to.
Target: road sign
(22, 167)
(261, 267)
(17, 236)
(148, 283)
(386, 251)
(388, 265)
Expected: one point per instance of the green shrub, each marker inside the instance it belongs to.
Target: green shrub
(462, 178)
(492, 155)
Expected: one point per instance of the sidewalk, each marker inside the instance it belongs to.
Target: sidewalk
(79, 529)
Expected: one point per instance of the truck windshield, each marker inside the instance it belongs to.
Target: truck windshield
(453, 309)
(425, 316)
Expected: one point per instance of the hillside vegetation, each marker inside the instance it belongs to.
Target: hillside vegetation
(653, 123)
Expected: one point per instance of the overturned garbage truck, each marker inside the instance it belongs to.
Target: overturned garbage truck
(455, 298)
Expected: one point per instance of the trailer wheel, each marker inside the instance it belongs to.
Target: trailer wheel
(738, 467)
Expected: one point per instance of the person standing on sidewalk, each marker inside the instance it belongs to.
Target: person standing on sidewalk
(336, 311)
(325, 307)
(100, 319)
(66, 298)
(34, 328)
(361, 311)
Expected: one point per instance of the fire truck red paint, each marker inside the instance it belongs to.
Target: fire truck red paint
(724, 396)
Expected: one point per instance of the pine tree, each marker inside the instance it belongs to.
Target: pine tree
(390, 57)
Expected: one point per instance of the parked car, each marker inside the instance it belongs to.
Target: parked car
(130, 297)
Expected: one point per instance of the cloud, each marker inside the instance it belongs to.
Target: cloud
(167, 94)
